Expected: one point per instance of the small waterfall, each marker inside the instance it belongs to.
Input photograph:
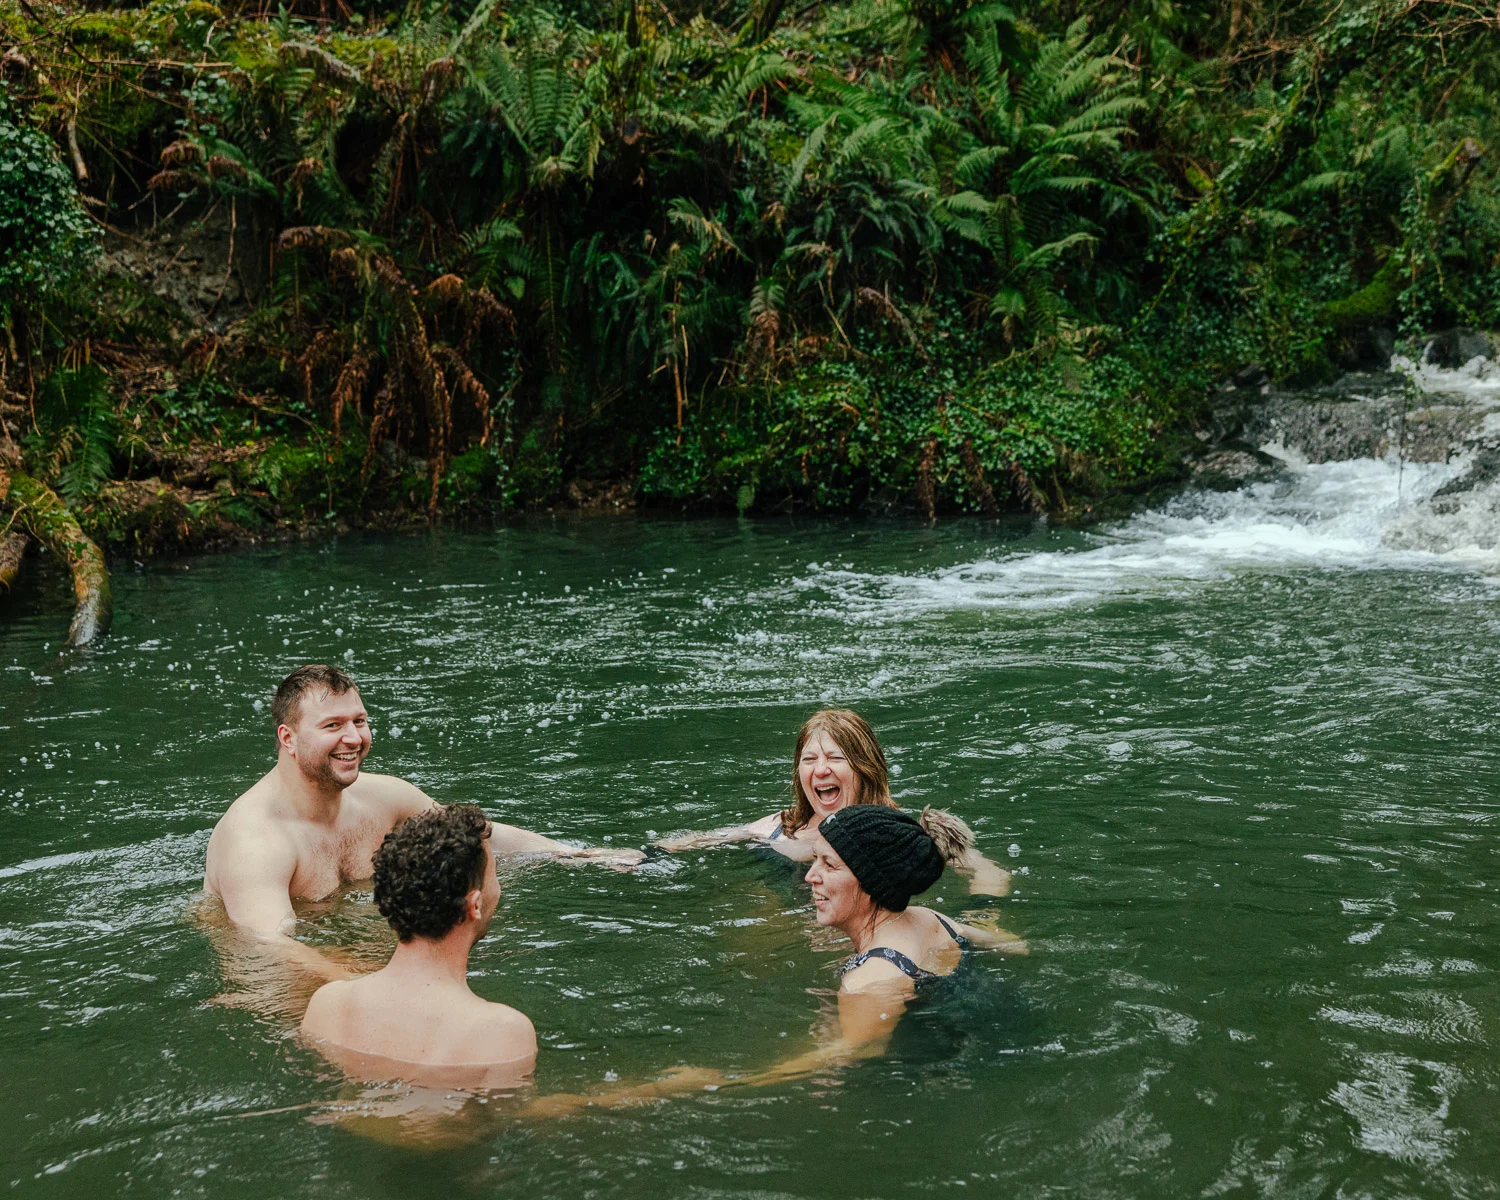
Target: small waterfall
(1461, 518)
(1399, 469)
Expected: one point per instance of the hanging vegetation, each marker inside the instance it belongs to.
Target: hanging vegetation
(330, 265)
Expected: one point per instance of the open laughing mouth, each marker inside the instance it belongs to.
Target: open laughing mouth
(828, 793)
(347, 756)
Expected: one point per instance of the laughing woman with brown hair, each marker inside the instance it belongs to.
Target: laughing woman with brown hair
(838, 762)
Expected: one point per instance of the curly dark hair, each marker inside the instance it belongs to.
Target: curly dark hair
(425, 868)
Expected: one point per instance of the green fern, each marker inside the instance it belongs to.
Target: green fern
(79, 432)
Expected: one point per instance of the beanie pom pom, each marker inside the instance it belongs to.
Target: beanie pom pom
(951, 834)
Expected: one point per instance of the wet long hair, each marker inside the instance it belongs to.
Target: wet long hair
(852, 734)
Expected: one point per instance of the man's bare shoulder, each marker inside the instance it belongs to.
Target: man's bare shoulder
(251, 835)
(256, 803)
(506, 1030)
(328, 999)
(393, 793)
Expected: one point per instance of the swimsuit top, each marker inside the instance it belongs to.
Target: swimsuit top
(899, 960)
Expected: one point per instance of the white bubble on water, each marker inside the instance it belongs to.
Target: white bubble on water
(258, 705)
(1015, 849)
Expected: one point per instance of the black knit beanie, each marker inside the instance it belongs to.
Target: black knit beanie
(889, 853)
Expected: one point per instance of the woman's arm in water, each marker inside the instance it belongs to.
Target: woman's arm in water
(727, 836)
(986, 877)
(871, 1001)
(984, 931)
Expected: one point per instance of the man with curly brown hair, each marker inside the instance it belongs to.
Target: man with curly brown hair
(435, 883)
(311, 824)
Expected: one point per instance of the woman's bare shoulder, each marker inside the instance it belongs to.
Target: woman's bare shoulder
(877, 976)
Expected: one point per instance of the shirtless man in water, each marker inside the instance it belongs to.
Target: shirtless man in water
(416, 1018)
(311, 824)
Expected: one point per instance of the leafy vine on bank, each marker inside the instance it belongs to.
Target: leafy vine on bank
(335, 266)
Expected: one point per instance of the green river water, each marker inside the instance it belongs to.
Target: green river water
(1242, 759)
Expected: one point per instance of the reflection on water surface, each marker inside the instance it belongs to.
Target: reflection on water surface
(1249, 797)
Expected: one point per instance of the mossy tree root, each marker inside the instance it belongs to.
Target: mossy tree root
(12, 550)
(51, 522)
(1377, 301)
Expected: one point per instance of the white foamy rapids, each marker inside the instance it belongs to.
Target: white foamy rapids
(1478, 380)
(1325, 515)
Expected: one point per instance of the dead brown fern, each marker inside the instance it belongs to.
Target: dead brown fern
(326, 346)
(881, 302)
(350, 387)
(380, 421)
(420, 372)
(926, 484)
(978, 484)
(465, 384)
(1025, 491)
(175, 181)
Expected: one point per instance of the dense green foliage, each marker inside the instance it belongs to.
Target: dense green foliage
(45, 237)
(914, 252)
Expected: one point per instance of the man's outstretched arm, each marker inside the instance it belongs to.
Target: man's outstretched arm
(406, 799)
(511, 839)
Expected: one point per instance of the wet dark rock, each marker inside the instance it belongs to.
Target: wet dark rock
(1360, 415)
(1483, 469)
(1250, 377)
(1455, 347)
(1368, 349)
(1229, 467)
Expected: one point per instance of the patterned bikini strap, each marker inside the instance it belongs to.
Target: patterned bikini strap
(894, 957)
(953, 933)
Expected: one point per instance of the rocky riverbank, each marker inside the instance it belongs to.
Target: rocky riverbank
(1443, 408)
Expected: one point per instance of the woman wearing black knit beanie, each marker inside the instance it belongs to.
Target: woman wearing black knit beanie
(867, 864)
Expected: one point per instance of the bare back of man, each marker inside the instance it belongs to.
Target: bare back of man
(416, 1018)
(311, 825)
(384, 1026)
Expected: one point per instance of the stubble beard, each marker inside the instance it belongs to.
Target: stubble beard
(322, 775)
